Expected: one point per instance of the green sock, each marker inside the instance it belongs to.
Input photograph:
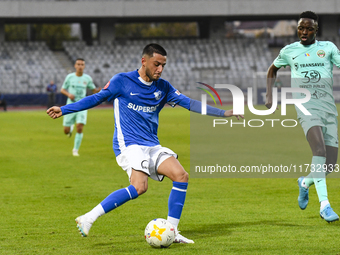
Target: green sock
(309, 181)
(319, 177)
(77, 140)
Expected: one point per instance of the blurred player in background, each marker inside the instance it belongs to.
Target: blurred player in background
(3, 102)
(138, 98)
(51, 92)
(75, 87)
(311, 63)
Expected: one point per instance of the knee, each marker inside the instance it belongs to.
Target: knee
(66, 131)
(183, 177)
(141, 188)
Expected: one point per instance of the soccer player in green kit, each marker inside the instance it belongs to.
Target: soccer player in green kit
(311, 63)
(75, 87)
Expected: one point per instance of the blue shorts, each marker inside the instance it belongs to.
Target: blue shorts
(328, 123)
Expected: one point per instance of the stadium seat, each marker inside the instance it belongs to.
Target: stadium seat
(230, 61)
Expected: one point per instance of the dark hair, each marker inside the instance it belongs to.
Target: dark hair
(152, 48)
(309, 15)
(81, 59)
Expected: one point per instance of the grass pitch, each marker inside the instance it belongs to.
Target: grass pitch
(43, 188)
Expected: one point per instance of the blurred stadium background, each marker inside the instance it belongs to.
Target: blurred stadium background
(211, 41)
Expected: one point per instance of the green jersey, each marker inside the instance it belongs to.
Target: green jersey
(312, 69)
(77, 86)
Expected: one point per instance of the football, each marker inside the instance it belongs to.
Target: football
(159, 233)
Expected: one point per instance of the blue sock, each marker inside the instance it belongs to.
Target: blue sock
(118, 198)
(176, 201)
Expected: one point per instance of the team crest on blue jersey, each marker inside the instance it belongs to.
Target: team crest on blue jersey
(158, 94)
(107, 85)
(321, 54)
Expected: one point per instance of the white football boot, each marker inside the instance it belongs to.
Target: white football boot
(181, 239)
(84, 225)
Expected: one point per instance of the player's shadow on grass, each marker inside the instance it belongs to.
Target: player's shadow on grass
(226, 229)
(317, 217)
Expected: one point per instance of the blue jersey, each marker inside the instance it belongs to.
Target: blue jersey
(137, 104)
(136, 108)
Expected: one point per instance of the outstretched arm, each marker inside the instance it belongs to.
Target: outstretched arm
(83, 104)
(230, 113)
(54, 112)
(196, 106)
(271, 77)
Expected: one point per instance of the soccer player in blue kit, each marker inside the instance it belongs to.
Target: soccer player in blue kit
(138, 98)
(311, 63)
